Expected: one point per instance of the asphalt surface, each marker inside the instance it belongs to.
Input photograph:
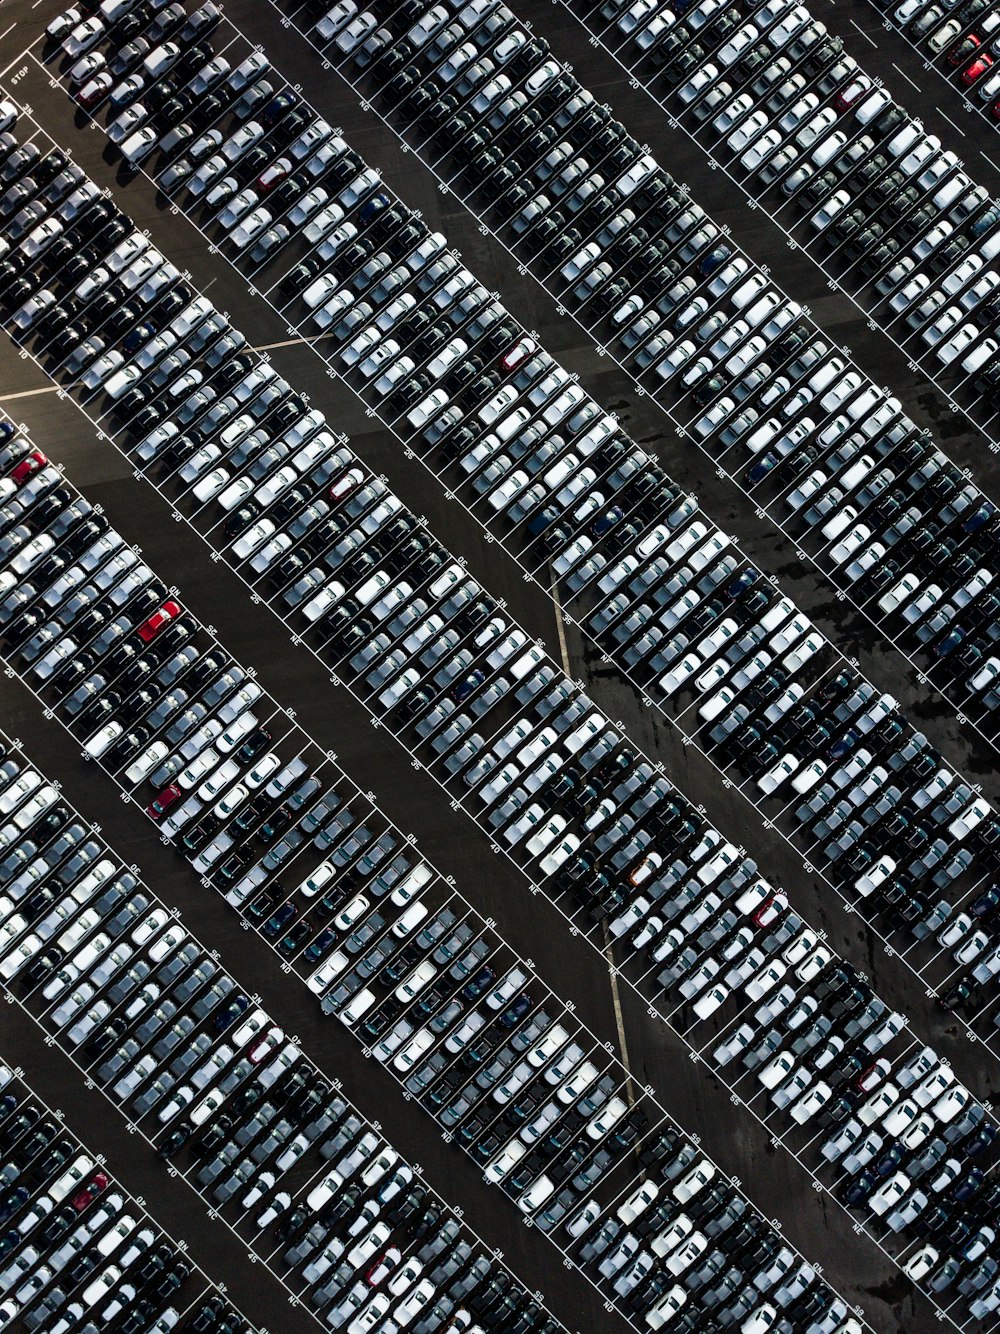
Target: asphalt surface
(572, 969)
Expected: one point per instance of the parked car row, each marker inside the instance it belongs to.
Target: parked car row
(559, 1100)
(781, 102)
(937, 622)
(766, 618)
(702, 1256)
(905, 1141)
(461, 1100)
(961, 42)
(77, 1252)
(160, 1026)
(168, 1035)
(656, 293)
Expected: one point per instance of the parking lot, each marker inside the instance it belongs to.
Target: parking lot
(408, 789)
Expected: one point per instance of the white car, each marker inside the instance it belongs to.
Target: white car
(137, 147)
(262, 770)
(772, 779)
(83, 37)
(747, 131)
(95, 88)
(128, 121)
(338, 17)
(250, 227)
(761, 149)
(103, 740)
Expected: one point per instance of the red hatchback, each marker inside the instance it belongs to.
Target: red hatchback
(524, 347)
(161, 803)
(874, 1075)
(29, 465)
(90, 1192)
(850, 93)
(151, 628)
(977, 69)
(273, 175)
(346, 485)
(770, 910)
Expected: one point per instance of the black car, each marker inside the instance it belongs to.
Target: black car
(255, 744)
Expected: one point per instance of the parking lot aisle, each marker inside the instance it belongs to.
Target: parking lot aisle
(226, 1209)
(871, 610)
(145, 1200)
(788, 814)
(97, 1068)
(606, 940)
(755, 1113)
(977, 416)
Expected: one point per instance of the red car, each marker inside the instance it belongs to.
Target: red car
(95, 89)
(346, 485)
(524, 347)
(151, 628)
(977, 69)
(89, 1193)
(849, 95)
(647, 868)
(29, 465)
(161, 803)
(995, 110)
(273, 175)
(873, 1076)
(265, 1044)
(383, 1266)
(770, 910)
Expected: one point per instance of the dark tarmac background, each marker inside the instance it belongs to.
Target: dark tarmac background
(574, 970)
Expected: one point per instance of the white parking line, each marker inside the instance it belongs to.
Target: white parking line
(904, 74)
(30, 393)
